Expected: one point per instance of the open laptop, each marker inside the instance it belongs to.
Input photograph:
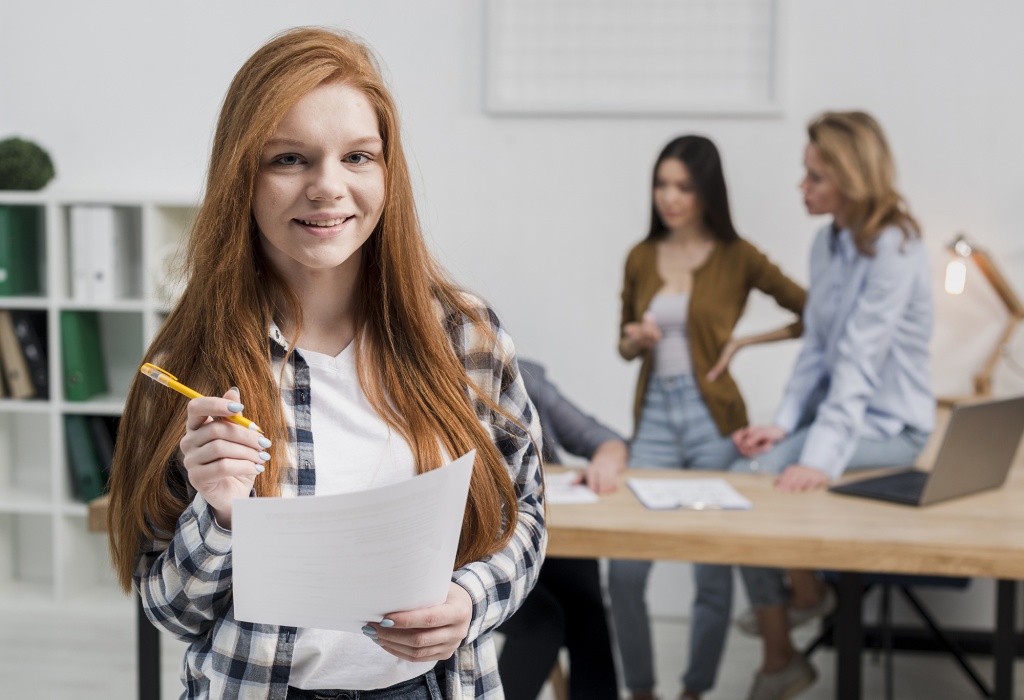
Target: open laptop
(975, 455)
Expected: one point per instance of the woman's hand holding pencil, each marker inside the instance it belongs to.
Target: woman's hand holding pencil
(221, 457)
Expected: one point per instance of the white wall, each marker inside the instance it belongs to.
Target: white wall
(536, 214)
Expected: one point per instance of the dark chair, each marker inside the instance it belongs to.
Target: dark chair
(904, 584)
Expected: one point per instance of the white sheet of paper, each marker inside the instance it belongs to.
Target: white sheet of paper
(559, 488)
(337, 562)
(692, 494)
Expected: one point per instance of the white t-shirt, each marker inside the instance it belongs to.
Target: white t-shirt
(354, 449)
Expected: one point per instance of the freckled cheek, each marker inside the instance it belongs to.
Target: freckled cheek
(268, 202)
(375, 196)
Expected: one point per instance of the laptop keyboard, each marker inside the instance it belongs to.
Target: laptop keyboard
(903, 487)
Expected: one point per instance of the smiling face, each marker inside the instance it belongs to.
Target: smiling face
(320, 188)
(675, 198)
(819, 186)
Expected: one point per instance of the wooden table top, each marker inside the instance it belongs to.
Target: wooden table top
(978, 535)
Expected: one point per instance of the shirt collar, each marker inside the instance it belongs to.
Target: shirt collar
(841, 241)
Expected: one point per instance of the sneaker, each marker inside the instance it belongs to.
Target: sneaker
(747, 621)
(788, 682)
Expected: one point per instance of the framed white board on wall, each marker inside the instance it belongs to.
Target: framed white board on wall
(632, 57)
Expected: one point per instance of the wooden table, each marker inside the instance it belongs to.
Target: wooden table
(977, 536)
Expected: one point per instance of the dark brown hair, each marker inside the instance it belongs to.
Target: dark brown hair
(703, 163)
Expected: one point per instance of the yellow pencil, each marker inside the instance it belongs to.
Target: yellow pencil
(169, 380)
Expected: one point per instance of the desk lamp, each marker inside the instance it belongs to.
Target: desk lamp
(956, 277)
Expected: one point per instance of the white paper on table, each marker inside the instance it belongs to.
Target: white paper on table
(339, 561)
(692, 494)
(559, 488)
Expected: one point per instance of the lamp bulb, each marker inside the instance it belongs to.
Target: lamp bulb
(956, 277)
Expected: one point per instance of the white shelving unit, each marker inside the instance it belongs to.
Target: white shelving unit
(47, 555)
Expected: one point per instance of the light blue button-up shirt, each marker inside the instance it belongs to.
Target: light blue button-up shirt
(867, 326)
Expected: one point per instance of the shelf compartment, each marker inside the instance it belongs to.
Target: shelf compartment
(170, 226)
(26, 563)
(26, 479)
(24, 355)
(22, 251)
(86, 569)
(104, 253)
(89, 450)
(93, 343)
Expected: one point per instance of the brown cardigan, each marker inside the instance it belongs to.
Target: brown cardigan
(720, 290)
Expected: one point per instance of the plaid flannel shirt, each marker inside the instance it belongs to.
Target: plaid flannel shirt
(185, 581)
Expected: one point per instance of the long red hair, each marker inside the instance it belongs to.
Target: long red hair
(217, 335)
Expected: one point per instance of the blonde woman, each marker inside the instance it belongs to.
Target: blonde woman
(311, 294)
(859, 394)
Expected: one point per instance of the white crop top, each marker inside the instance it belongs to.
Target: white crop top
(672, 355)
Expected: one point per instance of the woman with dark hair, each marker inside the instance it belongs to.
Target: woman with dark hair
(685, 288)
(312, 295)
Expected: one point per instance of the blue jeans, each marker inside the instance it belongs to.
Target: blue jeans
(429, 686)
(766, 586)
(675, 432)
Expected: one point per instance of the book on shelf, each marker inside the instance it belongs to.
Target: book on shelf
(102, 432)
(30, 327)
(87, 477)
(85, 374)
(99, 252)
(15, 368)
(20, 257)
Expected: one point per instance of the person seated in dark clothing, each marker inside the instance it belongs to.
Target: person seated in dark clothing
(566, 609)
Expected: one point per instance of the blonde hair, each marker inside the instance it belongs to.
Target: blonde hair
(854, 147)
(217, 335)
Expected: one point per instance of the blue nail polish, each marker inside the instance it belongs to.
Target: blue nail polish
(235, 389)
(387, 623)
(264, 456)
(260, 468)
(235, 407)
(369, 631)
(265, 443)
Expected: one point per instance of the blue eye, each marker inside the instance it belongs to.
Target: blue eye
(288, 159)
(357, 158)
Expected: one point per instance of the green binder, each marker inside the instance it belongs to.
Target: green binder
(85, 374)
(19, 251)
(86, 471)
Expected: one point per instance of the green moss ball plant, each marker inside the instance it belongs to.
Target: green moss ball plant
(24, 165)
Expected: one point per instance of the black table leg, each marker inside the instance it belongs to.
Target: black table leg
(148, 640)
(849, 637)
(1003, 644)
